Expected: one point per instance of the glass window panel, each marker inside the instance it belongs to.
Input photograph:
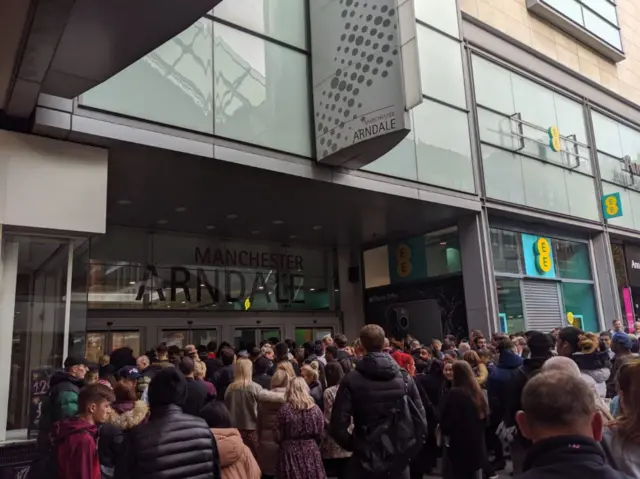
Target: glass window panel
(506, 250)
(571, 259)
(607, 135)
(611, 169)
(443, 147)
(284, 20)
(579, 299)
(570, 116)
(510, 306)
(583, 199)
(569, 8)
(604, 8)
(503, 175)
(493, 86)
(261, 92)
(630, 139)
(244, 339)
(545, 186)
(497, 129)
(202, 337)
(96, 346)
(129, 339)
(268, 334)
(441, 67)
(602, 29)
(79, 297)
(171, 85)
(441, 14)
(628, 219)
(178, 338)
(400, 162)
(443, 256)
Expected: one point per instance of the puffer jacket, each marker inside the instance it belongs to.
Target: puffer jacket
(171, 445)
(369, 394)
(596, 366)
(128, 417)
(269, 403)
(236, 460)
(63, 394)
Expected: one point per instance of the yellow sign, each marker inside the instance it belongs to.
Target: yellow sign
(247, 304)
(404, 267)
(570, 318)
(543, 255)
(554, 139)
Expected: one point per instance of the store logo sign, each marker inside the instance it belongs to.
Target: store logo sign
(538, 256)
(542, 250)
(635, 264)
(611, 206)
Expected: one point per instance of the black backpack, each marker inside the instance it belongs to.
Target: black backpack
(388, 447)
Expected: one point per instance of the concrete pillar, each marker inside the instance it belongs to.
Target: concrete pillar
(351, 294)
(8, 279)
(605, 281)
(473, 231)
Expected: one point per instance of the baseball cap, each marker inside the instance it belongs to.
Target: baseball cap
(623, 340)
(75, 360)
(129, 372)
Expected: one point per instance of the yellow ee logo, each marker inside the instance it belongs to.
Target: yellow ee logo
(611, 205)
(542, 250)
(404, 267)
(554, 138)
(247, 304)
(571, 319)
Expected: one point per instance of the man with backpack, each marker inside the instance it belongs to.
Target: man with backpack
(74, 440)
(388, 415)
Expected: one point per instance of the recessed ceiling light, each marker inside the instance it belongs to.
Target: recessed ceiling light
(260, 288)
(181, 209)
(255, 232)
(232, 216)
(293, 236)
(316, 228)
(162, 222)
(211, 227)
(337, 290)
(132, 282)
(443, 243)
(124, 202)
(312, 289)
(277, 222)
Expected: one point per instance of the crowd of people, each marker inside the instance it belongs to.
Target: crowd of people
(560, 405)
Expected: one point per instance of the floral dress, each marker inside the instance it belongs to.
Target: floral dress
(299, 433)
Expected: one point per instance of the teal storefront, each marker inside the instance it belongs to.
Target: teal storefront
(543, 281)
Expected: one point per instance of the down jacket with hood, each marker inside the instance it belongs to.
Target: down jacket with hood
(594, 367)
(369, 394)
(236, 460)
(127, 415)
(269, 403)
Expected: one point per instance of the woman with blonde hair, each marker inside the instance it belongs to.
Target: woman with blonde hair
(200, 373)
(311, 374)
(287, 367)
(621, 438)
(479, 369)
(241, 398)
(299, 431)
(269, 403)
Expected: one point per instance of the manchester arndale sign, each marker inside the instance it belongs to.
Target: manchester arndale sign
(366, 77)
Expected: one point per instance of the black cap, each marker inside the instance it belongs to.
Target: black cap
(75, 361)
(168, 386)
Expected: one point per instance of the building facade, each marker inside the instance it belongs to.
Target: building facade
(472, 167)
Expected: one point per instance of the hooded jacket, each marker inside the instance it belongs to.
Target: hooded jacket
(597, 366)
(498, 382)
(236, 460)
(269, 403)
(568, 457)
(63, 394)
(369, 394)
(128, 415)
(76, 449)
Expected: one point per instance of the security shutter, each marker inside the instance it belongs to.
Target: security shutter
(542, 305)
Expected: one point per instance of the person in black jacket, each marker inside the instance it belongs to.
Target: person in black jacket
(369, 394)
(224, 376)
(197, 393)
(560, 417)
(261, 367)
(172, 444)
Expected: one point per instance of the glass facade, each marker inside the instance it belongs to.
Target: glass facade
(437, 151)
(514, 254)
(217, 79)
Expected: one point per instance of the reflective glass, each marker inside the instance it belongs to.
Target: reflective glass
(303, 335)
(571, 259)
(441, 67)
(583, 199)
(579, 299)
(441, 14)
(400, 162)
(284, 20)
(261, 92)
(506, 250)
(604, 8)
(443, 146)
(96, 346)
(631, 217)
(602, 29)
(174, 338)
(202, 337)
(129, 339)
(171, 85)
(607, 135)
(503, 175)
(443, 256)
(493, 86)
(510, 306)
(569, 8)
(244, 339)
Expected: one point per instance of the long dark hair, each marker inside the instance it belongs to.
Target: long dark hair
(464, 379)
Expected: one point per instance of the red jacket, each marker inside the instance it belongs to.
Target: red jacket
(77, 449)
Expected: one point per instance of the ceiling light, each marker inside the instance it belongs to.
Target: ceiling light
(312, 289)
(211, 227)
(132, 282)
(260, 288)
(232, 216)
(162, 222)
(316, 228)
(443, 243)
(337, 290)
(181, 209)
(255, 232)
(292, 236)
(277, 222)
(183, 302)
(124, 202)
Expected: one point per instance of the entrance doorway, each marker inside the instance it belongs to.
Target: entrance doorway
(246, 338)
(99, 343)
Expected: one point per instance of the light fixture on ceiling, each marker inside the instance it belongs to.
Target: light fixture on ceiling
(312, 289)
(181, 209)
(124, 202)
(210, 227)
(255, 232)
(183, 302)
(132, 282)
(277, 222)
(316, 228)
(337, 290)
(232, 216)
(293, 236)
(162, 222)
(260, 288)
(443, 243)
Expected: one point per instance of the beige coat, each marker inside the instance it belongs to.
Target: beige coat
(129, 419)
(236, 460)
(269, 403)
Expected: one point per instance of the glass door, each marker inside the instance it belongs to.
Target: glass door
(247, 338)
(202, 337)
(130, 339)
(175, 337)
(99, 343)
(304, 335)
(96, 346)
